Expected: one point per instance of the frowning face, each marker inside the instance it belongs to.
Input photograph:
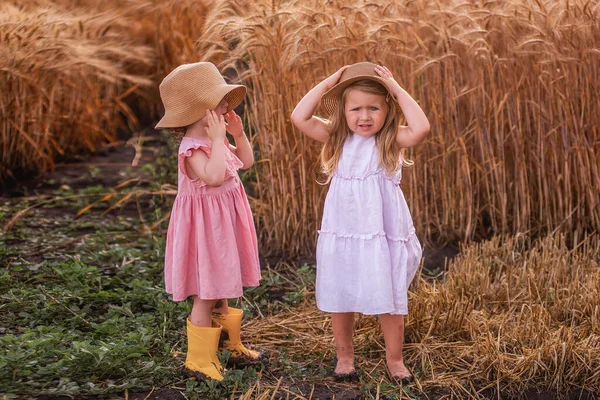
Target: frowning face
(365, 112)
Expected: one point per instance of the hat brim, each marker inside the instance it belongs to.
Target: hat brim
(234, 94)
(330, 98)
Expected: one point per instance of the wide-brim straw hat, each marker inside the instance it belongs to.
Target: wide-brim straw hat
(191, 89)
(354, 73)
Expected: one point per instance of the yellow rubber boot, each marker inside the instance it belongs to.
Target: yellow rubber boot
(230, 338)
(201, 356)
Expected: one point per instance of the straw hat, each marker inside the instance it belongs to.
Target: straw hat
(191, 89)
(354, 73)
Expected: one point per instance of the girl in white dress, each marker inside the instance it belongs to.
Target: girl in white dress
(367, 251)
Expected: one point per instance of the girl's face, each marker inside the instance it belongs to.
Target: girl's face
(220, 109)
(365, 112)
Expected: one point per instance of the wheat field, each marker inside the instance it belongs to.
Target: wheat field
(73, 72)
(511, 168)
(510, 88)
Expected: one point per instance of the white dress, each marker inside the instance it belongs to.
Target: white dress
(367, 251)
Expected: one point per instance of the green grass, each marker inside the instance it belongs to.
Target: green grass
(87, 315)
(83, 311)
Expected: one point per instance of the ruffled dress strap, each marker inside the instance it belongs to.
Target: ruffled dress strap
(187, 147)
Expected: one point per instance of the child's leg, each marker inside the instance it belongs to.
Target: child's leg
(221, 307)
(393, 333)
(203, 340)
(343, 328)
(202, 312)
(230, 319)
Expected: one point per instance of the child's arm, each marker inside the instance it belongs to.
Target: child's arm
(418, 124)
(242, 149)
(303, 115)
(210, 170)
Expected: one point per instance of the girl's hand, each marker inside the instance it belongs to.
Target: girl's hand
(304, 116)
(234, 124)
(386, 75)
(333, 79)
(216, 126)
(418, 124)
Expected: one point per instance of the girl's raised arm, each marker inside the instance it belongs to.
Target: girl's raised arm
(303, 115)
(242, 148)
(418, 124)
(210, 169)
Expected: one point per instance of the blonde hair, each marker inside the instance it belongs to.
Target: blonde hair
(385, 139)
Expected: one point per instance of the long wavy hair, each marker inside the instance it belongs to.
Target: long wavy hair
(385, 139)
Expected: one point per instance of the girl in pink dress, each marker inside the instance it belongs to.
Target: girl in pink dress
(367, 251)
(211, 251)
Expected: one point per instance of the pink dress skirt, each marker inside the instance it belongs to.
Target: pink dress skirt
(211, 246)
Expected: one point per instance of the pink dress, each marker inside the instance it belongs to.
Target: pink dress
(211, 247)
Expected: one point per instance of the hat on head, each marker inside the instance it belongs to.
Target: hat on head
(354, 73)
(191, 89)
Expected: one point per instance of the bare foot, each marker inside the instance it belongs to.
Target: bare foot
(344, 365)
(399, 370)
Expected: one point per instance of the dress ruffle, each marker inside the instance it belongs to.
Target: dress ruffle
(379, 173)
(368, 236)
(233, 162)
